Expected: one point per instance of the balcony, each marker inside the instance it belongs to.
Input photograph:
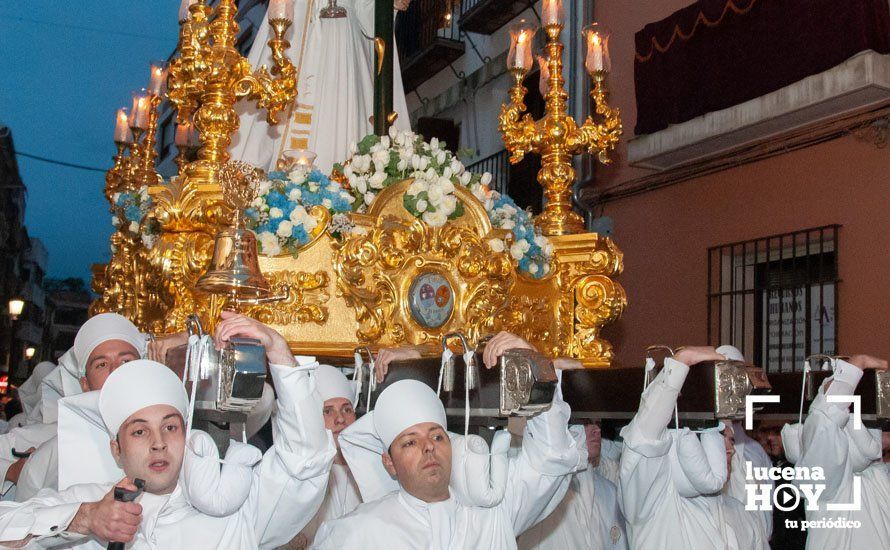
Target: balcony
(487, 16)
(428, 39)
(519, 181)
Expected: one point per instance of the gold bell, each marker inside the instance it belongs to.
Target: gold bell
(235, 269)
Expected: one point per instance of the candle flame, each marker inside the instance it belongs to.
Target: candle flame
(595, 39)
(523, 36)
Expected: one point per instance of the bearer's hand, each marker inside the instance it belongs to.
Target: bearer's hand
(234, 325)
(501, 343)
(158, 348)
(109, 519)
(387, 356)
(15, 469)
(401, 5)
(868, 362)
(696, 354)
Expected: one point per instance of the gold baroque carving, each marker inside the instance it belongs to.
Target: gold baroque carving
(375, 271)
(304, 303)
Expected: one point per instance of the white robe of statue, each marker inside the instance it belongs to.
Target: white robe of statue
(335, 91)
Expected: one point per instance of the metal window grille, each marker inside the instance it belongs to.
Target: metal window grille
(775, 298)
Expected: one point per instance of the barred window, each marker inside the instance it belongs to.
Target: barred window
(775, 298)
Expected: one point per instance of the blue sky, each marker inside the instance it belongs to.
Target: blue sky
(65, 68)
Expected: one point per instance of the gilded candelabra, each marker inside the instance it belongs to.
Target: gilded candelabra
(556, 136)
(210, 75)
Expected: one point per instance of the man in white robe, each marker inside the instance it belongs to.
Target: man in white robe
(746, 450)
(660, 493)
(102, 344)
(144, 406)
(335, 90)
(342, 496)
(588, 518)
(403, 446)
(830, 441)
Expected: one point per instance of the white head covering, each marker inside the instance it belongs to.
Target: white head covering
(332, 383)
(136, 385)
(100, 329)
(404, 404)
(731, 352)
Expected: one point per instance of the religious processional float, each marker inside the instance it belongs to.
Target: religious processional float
(399, 245)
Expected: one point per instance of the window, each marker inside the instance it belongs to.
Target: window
(775, 298)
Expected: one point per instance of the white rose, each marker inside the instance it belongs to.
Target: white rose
(294, 195)
(116, 197)
(416, 162)
(446, 185)
(434, 144)
(134, 227)
(393, 133)
(148, 241)
(421, 206)
(269, 243)
(435, 193)
(548, 250)
(417, 187)
(447, 172)
(519, 248)
(508, 224)
(275, 213)
(264, 187)
(497, 245)
(377, 180)
(326, 203)
(353, 148)
(456, 166)
(541, 241)
(381, 159)
(449, 204)
(313, 186)
(361, 184)
(533, 268)
(285, 229)
(115, 222)
(440, 158)
(486, 178)
(369, 198)
(465, 178)
(435, 219)
(403, 165)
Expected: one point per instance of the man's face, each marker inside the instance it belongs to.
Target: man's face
(338, 415)
(773, 446)
(594, 441)
(420, 458)
(104, 359)
(150, 446)
(729, 444)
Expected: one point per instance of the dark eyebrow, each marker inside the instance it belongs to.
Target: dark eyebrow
(134, 421)
(171, 415)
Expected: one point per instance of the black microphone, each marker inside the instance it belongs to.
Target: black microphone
(124, 495)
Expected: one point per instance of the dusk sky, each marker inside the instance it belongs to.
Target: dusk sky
(66, 67)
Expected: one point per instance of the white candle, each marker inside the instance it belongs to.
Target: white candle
(122, 127)
(158, 78)
(281, 9)
(184, 9)
(552, 12)
(594, 60)
(139, 112)
(523, 51)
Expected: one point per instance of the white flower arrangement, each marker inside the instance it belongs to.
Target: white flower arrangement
(131, 216)
(378, 162)
(280, 214)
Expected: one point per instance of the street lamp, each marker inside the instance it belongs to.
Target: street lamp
(29, 352)
(16, 305)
